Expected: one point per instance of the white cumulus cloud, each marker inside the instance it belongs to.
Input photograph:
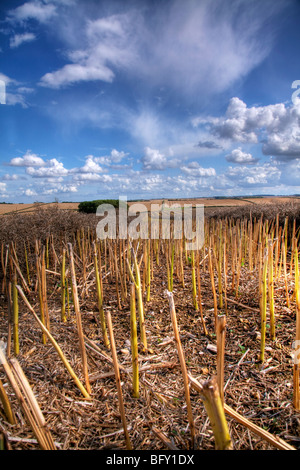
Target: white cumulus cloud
(153, 159)
(51, 169)
(240, 157)
(92, 177)
(30, 192)
(91, 165)
(28, 160)
(276, 127)
(195, 170)
(267, 174)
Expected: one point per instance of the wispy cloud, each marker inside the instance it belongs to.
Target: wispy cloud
(36, 10)
(180, 55)
(164, 51)
(166, 44)
(74, 73)
(19, 39)
(106, 46)
(183, 42)
(15, 92)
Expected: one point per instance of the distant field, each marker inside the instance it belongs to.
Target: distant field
(226, 202)
(208, 202)
(24, 208)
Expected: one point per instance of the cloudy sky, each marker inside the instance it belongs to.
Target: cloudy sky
(148, 98)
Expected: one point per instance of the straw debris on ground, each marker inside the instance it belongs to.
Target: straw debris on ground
(158, 419)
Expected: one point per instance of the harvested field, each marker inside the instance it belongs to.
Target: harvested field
(29, 208)
(226, 202)
(221, 280)
(207, 202)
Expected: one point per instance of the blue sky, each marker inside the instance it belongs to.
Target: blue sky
(148, 99)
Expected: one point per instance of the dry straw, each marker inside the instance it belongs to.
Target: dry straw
(221, 328)
(118, 381)
(78, 320)
(263, 308)
(138, 286)
(100, 297)
(210, 396)
(134, 343)
(56, 346)
(63, 286)
(234, 250)
(296, 359)
(6, 405)
(183, 366)
(15, 315)
(27, 401)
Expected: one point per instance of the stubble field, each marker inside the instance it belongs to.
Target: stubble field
(222, 281)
